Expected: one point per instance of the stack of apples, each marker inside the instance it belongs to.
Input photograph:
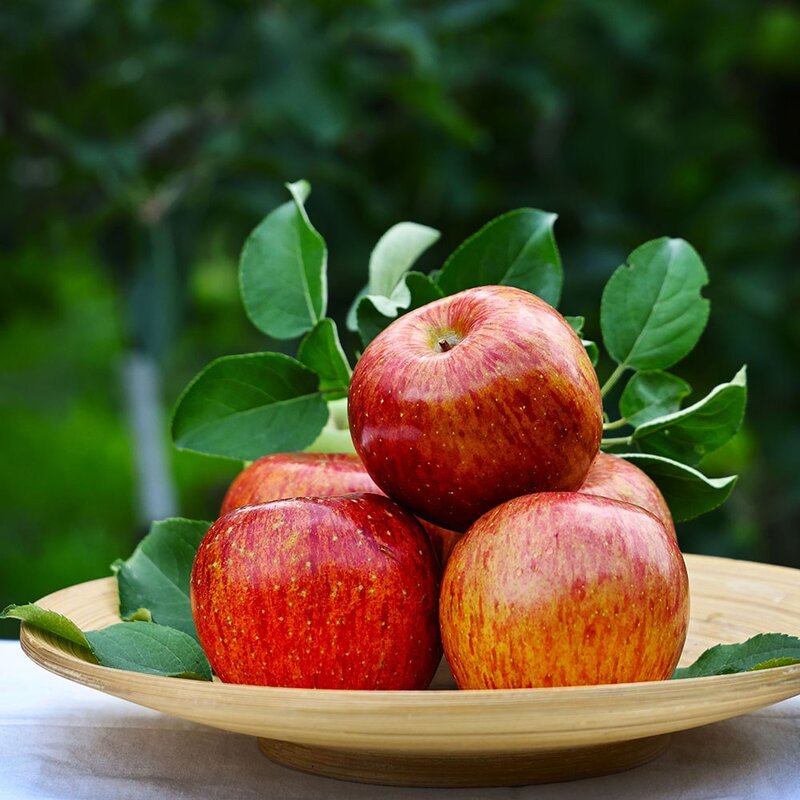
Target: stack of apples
(477, 515)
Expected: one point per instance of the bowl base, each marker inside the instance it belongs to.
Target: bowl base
(442, 769)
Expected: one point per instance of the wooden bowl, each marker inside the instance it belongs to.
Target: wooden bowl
(444, 737)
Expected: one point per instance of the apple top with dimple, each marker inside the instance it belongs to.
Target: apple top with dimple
(472, 400)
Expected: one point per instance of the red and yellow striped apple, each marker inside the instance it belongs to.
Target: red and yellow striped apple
(284, 475)
(472, 400)
(563, 589)
(325, 592)
(614, 477)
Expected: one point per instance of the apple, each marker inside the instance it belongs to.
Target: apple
(472, 400)
(284, 475)
(319, 592)
(564, 589)
(614, 477)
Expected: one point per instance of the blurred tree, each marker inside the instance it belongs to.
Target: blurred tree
(152, 136)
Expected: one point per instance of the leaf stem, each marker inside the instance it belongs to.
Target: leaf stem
(612, 379)
(612, 426)
(615, 440)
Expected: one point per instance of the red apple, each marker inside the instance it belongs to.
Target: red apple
(284, 475)
(472, 400)
(319, 592)
(614, 477)
(563, 589)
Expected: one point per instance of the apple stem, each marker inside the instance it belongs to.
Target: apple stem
(612, 379)
(615, 441)
(446, 341)
(612, 426)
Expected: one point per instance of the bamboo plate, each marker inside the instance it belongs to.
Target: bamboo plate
(443, 737)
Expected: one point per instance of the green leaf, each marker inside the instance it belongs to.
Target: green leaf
(652, 312)
(248, 406)
(322, 352)
(371, 317)
(763, 651)
(351, 323)
(688, 492)
(692, 433)
(423, 290)
(592, 351)
(46, 620)
(136, 646)
(150, 648)
(514, 249)
(282, 270)
(393, 256)
(154, 581)
(395, 253)
(652, 394)
(576, 323)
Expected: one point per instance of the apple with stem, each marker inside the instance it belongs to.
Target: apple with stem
(614, 477)
(284, 475)
(326, 592)
(474, 399)
(564, 589)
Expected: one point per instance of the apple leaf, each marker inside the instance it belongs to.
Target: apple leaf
(652, 312)
(395, 253)
(248, 406)
(136, 646)
(322, 352)
(393, 256)
(763, 651)
(150, 648)
(282, 270)
(514, 249)
(48, 621)
(592, 350)
(351, 323)
(154, 581)
(652, 394)
(576, 323)
(688, 492)
(690, 434)
(373, 317)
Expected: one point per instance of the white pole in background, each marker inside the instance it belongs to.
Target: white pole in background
(155, 484)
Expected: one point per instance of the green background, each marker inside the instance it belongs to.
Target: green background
(140, 142)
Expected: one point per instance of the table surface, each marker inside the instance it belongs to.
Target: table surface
(62, 741)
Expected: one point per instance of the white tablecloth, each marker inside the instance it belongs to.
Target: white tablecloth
(62, 741)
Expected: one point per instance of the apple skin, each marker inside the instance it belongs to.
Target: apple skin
(284, 475)
(564, 589)
(614, 477)
(326, 592)
(472, 400)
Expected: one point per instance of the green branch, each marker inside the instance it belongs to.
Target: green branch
(612, 379)
(616, 441)
(612, 426)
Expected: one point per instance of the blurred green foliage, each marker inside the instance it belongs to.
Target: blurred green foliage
(140, 142)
